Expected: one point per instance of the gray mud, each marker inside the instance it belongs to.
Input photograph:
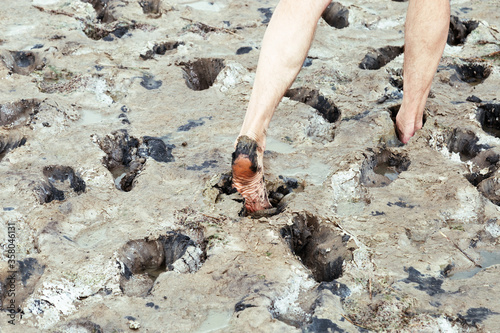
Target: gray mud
(118, 120)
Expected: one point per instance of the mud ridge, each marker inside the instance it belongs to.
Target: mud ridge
(383, 168)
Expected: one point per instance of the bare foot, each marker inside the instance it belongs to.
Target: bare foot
(248, 174)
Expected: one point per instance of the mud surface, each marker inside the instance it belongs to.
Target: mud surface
(117, 124)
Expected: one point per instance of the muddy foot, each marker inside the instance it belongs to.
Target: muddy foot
(248, 175)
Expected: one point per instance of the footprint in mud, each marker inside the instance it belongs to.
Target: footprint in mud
(150, 6)
(465, 143)
(483, 173)
(459, 30)
(59, 182)
(320, 248)
(103, 9)
(383, 168)
(19, 282)
(22, 62)
(141, 261)
(376, 59)
(160, 49)
(325, 107)
(18, 113)
(488, 116)
(279, 193)
(7, 145)
(471, 73)
(126, 155)
(201, 74)
(336, 15)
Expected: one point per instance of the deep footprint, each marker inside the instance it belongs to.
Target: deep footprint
(378, 58)
(59, 182)
(383, 168)
(488, 116)
(459, 30)
(141, 261)
(465, 143)
(336, 15)
(321, 249)
(325, 107)
(126, 155)
(201, 74)
(471, 73)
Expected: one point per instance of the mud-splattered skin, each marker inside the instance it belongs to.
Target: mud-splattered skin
(248, 176)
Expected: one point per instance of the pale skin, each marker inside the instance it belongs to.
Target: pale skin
(284, 49)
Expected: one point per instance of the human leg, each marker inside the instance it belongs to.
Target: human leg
(284, 49)
(426, 31)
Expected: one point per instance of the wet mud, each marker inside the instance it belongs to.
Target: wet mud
(7, 145)
(150, 6)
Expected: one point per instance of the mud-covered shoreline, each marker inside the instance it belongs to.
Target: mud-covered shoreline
(118, 120)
